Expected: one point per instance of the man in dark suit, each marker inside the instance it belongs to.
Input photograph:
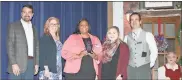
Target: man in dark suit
(23, 47)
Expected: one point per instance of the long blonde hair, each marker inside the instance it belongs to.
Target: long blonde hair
(46, 26)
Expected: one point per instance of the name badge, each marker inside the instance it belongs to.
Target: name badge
(139, 42)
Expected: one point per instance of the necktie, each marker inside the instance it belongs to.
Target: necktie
(134, 35)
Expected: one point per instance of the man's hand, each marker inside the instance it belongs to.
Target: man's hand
(16, 69)
(36, 69)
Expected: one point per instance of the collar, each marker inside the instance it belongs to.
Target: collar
(24, 22)
(170, 67)
(137, 31)
(90, 35)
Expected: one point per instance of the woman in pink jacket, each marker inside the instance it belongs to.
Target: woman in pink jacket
(81, 51)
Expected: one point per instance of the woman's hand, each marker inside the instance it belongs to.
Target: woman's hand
(96, 77)
(167, 78)
(119, 77)
(46, 72)
(93, 55)
(83, 53)
(77, 56)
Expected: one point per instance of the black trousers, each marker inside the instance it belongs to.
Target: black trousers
(86, 72)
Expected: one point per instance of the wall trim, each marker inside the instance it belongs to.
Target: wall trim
(109, 14)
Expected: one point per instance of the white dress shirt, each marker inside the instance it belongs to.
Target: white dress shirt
(151, 42)
(29, 35)
(162, 70)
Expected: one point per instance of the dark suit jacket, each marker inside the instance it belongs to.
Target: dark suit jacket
(17, 47)
(48, 53)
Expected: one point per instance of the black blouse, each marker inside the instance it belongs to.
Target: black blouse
(88, 44)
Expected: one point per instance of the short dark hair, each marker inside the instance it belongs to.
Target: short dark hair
(135, 13)
(77, 30)
(28, 6)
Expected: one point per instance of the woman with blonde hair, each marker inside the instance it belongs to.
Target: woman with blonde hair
(50, 49)
(171, 70)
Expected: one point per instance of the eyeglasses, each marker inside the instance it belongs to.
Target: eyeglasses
(53, 24)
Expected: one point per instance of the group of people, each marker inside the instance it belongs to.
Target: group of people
(85, 56)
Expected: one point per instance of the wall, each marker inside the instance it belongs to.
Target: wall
(118, 17)
(129, 6)
(109, 14)
(115, 16)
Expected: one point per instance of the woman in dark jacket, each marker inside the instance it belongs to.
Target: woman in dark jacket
(115, 57)
(50, 49)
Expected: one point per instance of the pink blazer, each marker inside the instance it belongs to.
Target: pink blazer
(74, 45)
